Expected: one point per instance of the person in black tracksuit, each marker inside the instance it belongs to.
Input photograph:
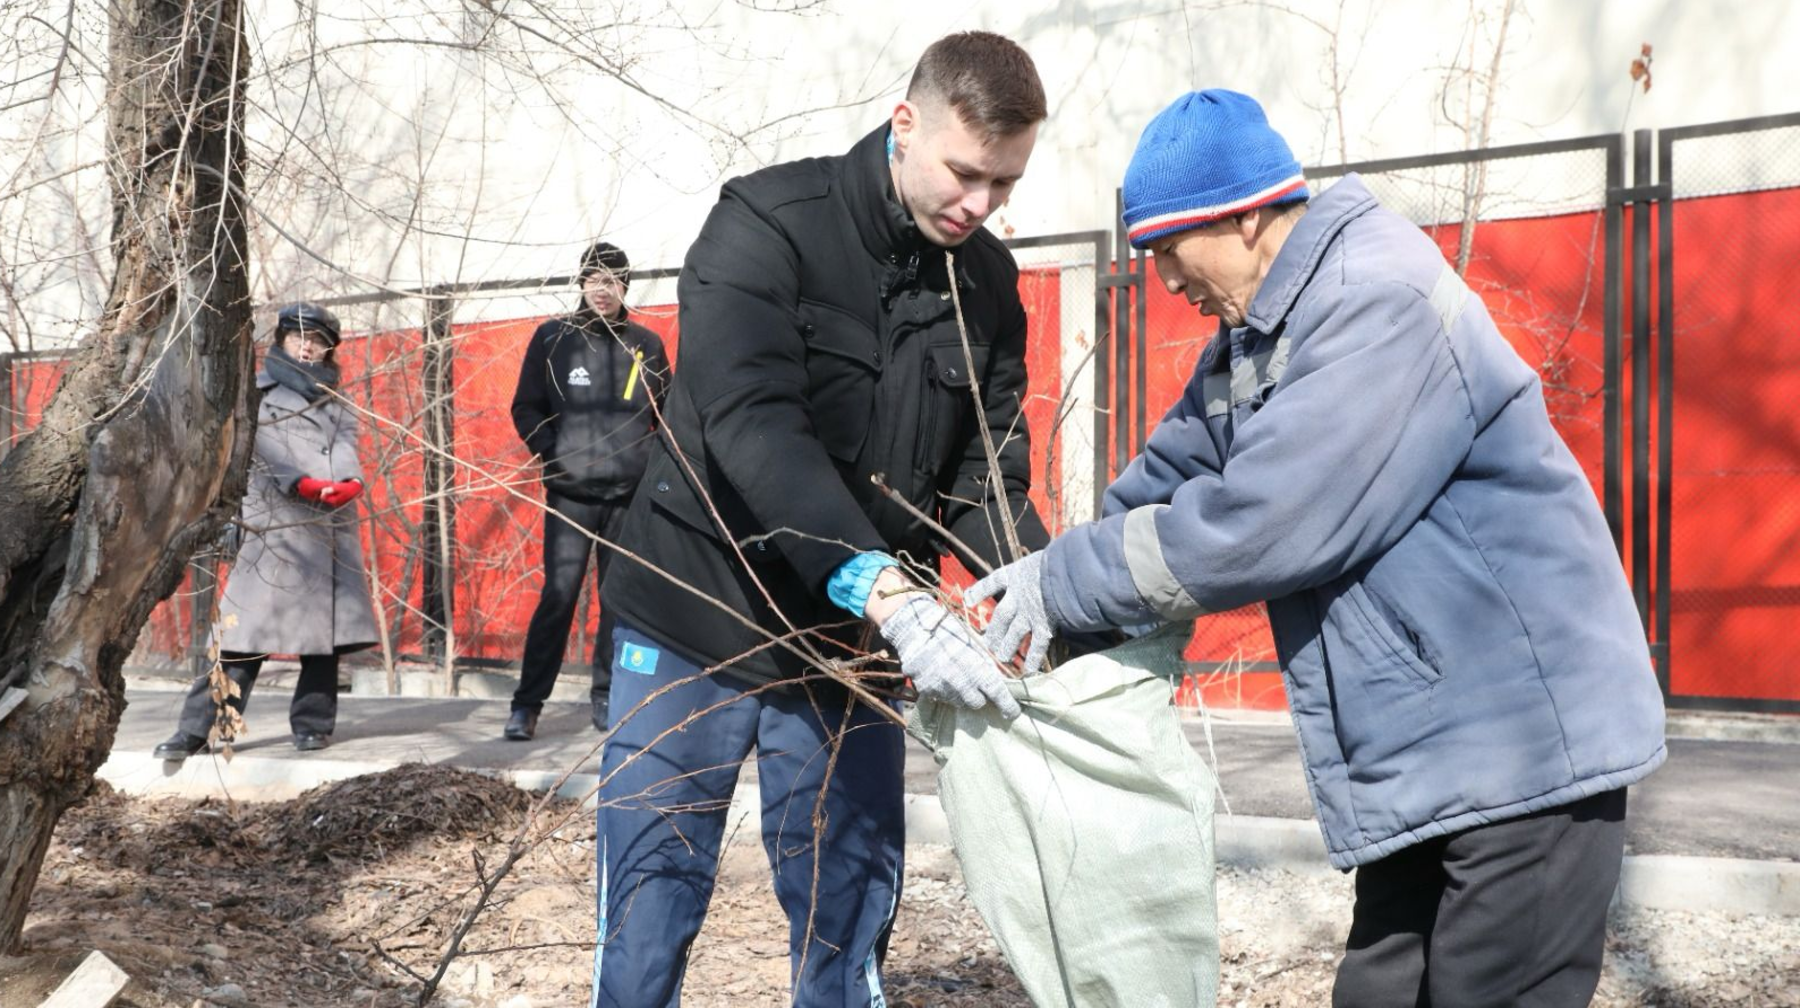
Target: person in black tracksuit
(820, 349)
(584, 408)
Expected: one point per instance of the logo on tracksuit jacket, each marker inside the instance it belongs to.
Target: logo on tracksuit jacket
(579, 376)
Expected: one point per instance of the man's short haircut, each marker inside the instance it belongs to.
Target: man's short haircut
(988, 79)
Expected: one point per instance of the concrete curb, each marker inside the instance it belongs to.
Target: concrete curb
(1660, 882)
(1782, 728)
(244, 778)
(370, 683)
(1292, 845)
(1729, 885)
(252, 778)
(1647, 881)
(1713, 726)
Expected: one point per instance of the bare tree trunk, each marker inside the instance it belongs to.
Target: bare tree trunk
(141, 454)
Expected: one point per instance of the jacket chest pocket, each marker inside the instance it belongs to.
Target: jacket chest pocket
(843, 360)
(947, 400)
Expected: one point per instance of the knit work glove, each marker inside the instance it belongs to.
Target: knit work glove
(345, 491)
(945, 659)
(1019, 613)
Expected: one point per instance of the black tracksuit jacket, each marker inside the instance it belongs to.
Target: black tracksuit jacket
(818, 349)
(581, 409)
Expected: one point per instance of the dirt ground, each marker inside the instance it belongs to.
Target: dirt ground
(330, 899)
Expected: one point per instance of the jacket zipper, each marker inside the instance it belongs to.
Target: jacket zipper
(922, 452)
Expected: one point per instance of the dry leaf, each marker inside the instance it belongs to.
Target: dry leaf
(1640, 67)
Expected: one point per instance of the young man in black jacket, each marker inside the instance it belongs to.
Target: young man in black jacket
(820, 350)
(583, 407)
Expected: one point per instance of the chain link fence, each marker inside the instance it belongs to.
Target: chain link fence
(1699, 476)
(1527, 228)
(453, 513)
(1728, 375)
(1532, 230)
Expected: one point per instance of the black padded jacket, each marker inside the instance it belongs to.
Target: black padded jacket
(583, 403)
(819, 350)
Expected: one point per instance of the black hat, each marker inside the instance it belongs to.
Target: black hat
(304, 316)
(609, 257)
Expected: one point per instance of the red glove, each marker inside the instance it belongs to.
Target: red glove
(345, 491)
(315, 489)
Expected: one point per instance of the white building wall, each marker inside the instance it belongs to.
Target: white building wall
(505, 146)
(1110, 66)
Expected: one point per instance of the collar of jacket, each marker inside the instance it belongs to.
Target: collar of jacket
(882, 223)
(1305, 246)
(289, 402)
(886, 230)
(585, 319)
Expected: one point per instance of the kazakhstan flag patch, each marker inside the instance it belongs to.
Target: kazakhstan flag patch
(637, 658)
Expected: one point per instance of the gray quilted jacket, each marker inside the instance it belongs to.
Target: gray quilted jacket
(1369, 456)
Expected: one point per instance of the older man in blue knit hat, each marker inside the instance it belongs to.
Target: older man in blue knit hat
(1362, 450)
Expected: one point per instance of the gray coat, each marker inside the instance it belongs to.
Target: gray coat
(1369, 456)
(298, 585)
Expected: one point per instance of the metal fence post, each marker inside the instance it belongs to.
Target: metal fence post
(7, 423)
(1113, 378)
(1102, 285)
(1122, 340)
(1106, 283)
(1642, 192)
(1612, 494)
(1665, 400)
(1140, 425)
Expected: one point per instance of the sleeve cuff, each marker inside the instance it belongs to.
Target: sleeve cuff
(849, 586)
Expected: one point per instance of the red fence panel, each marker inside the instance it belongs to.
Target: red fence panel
(1540, 279)
(1734, 596)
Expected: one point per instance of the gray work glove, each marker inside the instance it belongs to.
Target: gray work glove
(1020, 611)
(945, 659)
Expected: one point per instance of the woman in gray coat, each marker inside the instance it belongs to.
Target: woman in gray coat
(297, 586)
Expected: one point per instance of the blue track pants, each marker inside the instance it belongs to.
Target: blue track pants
(833, 824)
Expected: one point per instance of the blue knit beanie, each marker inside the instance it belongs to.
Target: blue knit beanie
(1210, 155)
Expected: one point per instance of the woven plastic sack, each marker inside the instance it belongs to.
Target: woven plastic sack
(1085, 830)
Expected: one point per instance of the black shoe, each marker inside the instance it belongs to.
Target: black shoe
(179, 746)
(599, 713)
(522, 726)
(311, 741)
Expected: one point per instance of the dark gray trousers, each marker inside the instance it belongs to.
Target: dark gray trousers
(1512, 913)
(567, 552)
(314, 708)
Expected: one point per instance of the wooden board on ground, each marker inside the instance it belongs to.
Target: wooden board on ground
(96, 983)
(13, 697)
